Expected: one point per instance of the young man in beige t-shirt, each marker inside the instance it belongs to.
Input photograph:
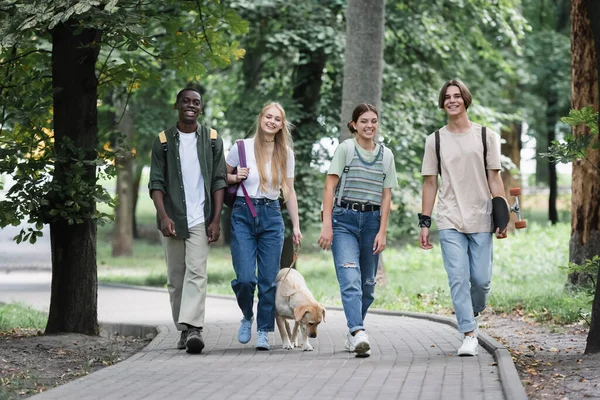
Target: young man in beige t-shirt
(464, 214)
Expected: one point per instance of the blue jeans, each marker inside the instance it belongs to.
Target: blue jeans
(256, 242)
(468, 262)
(355, 265)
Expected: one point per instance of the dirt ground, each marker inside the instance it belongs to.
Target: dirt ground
(31, 363)
(550, 362)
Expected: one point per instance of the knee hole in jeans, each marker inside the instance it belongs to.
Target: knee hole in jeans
(370, 282)
(349, 265)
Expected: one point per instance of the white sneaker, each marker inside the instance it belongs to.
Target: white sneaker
(349, 345)
(363, 355)
(362, 345)
(469, 346)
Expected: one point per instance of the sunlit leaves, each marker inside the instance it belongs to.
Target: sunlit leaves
(576, 147)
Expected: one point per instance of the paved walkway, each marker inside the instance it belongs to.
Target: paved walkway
(412, 358)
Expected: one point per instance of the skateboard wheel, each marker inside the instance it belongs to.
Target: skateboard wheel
(515, 191)
(521, 224)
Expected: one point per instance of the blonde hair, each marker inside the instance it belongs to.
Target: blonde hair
(283, 141)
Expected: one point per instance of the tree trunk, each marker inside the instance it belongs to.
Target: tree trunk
(585, 197)
(551, 120)
(363, 58)
(585, 203)
(511, 148)
(73, 301)
(593, 244)
(363, 67)
(541, 163)
(122, 235)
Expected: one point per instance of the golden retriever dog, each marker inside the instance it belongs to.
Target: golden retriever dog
(294, 301)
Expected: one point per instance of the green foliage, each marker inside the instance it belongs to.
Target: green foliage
(576, 147)
(35, 196)
(588, 271)
(143, 46)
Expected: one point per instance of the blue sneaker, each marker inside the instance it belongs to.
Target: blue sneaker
(245, 332)
(263, 341)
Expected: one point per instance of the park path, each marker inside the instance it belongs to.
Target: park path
(412, 358)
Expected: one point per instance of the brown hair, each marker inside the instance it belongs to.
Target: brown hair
(464, 92)
(358, 111)
(283, 141)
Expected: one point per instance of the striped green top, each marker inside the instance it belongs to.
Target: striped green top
(364, 180)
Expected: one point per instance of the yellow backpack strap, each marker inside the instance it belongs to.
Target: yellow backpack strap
(213, 137)
(163, 140)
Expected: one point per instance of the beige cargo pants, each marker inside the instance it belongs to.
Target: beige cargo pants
(186, 276)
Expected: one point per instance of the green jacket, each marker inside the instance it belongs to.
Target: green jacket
(165, 175)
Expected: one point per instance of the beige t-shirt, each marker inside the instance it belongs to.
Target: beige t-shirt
(464, 198)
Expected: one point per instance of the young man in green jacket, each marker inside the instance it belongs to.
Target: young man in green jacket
(187, 182)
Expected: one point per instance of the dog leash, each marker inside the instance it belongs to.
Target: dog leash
(294, 258)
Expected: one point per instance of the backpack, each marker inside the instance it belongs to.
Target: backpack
(387, 162)
(163, 139)
(437, 150)
(231, 190)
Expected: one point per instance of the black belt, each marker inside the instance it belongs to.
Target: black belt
(360, 206)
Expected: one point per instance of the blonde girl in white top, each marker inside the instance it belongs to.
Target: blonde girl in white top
(257, 241)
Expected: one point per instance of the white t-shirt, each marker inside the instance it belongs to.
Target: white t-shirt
(252, 183)
(193, 181)
(464, 198)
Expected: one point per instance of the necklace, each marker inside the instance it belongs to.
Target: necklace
(269, 141)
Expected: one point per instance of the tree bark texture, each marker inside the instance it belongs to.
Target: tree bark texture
(551, 119)
(511, 148)
(73, 301)
(585, 203)
(585, 200)
(122, 235)
(363, 58)
(593, 241)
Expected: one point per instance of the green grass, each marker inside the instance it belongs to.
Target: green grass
(19, 316)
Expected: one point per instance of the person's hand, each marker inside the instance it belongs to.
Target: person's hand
(379, 244)
(503, 234)
(424, 239)
(214, 231)
(297, 236)
(167, 227)
(242, 173)
(326, 237)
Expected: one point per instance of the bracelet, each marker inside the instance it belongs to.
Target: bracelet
(424, 221)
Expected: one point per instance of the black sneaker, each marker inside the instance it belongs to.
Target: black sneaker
(194, 343)
(182, 339)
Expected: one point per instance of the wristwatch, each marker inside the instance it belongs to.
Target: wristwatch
(424, 221)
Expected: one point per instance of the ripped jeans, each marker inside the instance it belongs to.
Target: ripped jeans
(355, 265)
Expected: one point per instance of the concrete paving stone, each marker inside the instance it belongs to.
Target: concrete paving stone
(411, 357)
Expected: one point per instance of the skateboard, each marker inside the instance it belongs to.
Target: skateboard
(501, 211)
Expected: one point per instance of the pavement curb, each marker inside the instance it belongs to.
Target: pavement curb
(509, 377)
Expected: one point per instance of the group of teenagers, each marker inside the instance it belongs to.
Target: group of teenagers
(190, 172)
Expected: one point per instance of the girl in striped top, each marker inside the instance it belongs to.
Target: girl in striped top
(356, 207)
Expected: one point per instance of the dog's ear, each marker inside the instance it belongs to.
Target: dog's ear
(299, 313)
(323, 312)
